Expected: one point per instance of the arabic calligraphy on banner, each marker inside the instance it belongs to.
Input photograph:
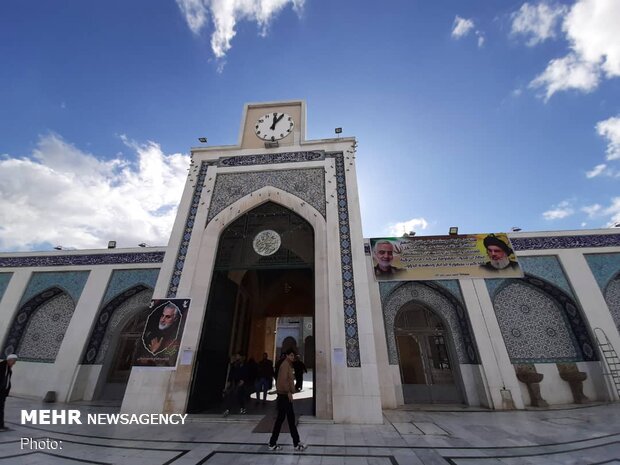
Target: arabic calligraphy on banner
(444, 257)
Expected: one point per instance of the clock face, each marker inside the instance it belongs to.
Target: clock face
(267, 242)
(274, 126)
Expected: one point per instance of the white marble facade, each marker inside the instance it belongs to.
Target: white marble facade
(61, 311)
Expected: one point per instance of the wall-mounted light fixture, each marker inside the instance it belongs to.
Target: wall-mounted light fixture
(112, 245)
(453, 231)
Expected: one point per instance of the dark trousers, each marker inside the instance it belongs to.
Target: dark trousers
(2, 401)
(235, 394)
(285, 409)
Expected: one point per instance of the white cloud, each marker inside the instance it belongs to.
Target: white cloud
(597, 171)
(559, 211)
(225, 14)
(480, 38)
(414, 224)
(592, 210)
(62, 195)
(591, 28)
(614, 211)
(461, 27)
(567, 73)
(610, 129)
(537, 22)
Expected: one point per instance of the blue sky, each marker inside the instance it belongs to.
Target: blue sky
(482, 115)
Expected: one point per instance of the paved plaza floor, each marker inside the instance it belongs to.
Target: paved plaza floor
(457, 436)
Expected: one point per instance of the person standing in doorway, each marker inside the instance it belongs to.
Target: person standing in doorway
(300, 369)
(285, 387)
(235, 388)
(264, 378)
(5, 384)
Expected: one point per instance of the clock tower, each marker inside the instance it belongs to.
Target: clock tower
(269, 231)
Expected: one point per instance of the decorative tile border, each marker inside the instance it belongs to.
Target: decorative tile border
(565, 242)
(272, 158)
(346, 263)
(179, 263)
(87, 259)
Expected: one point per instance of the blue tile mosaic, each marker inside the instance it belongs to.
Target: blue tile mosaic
(307, 184)
(604, 266)
(272, 158)
(121, 280)
(541, 323)
(4, 282)
(453, 287)
(72, 282)
(86, 259)
(547, 268)
(41, 290)
(45, 330)
(612, 297)
(565, 242)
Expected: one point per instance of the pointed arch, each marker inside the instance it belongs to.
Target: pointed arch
(25, 313)
(568, 308)
(104, 317)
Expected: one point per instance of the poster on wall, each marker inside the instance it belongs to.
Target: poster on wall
(444, 257)
(163, 330)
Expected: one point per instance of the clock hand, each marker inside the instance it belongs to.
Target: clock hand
(276, 120)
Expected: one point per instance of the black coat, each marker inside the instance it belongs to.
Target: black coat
(4, 389)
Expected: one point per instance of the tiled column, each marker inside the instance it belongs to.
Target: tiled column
(498, 373)
(78, 331)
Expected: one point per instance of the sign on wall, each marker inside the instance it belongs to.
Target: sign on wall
(444, 257)
(161, 337)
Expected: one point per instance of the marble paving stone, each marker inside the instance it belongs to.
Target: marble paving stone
(430, 457)
(407, 428)
(430, 428)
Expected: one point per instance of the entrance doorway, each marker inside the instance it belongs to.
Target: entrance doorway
(427, 364)
(118, 367)
(251, 295)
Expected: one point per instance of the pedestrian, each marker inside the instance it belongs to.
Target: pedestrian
(278, 363)
(5, 384)
(235, 387)
(264, 378)
(300, 368)
(285, 387)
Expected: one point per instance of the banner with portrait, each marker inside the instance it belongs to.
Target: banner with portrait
(161, 337)
(444, 257)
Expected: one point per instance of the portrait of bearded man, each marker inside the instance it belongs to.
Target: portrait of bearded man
(162, 332)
